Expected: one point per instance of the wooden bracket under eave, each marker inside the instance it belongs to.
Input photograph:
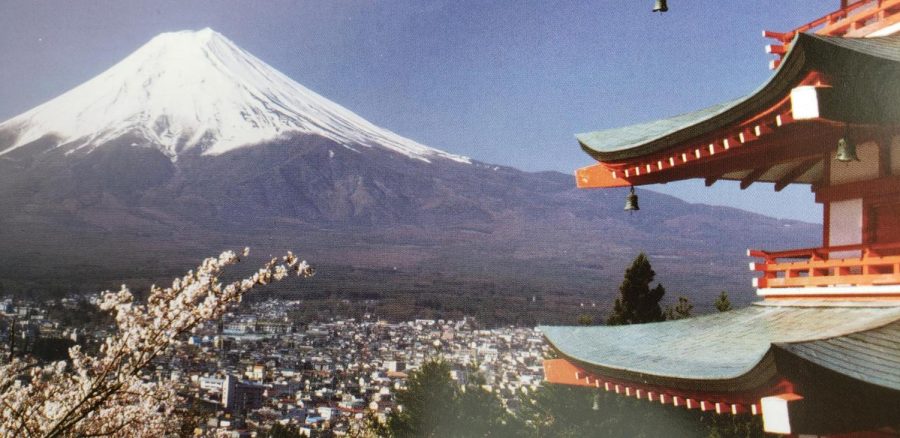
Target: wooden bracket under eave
(598, 176)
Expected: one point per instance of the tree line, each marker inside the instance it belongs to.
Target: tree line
(638, 303)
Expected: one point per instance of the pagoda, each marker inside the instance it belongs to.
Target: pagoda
(820, 352)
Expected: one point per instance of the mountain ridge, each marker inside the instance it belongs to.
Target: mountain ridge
(418, 227)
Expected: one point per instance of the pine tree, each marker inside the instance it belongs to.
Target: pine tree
(679, 311)
(585, 319)
(428, 402)
(637, 302)
(722, 303)
(279, 430)
(370, 427)
(435, 406)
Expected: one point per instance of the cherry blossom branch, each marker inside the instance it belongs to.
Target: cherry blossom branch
(105, 394)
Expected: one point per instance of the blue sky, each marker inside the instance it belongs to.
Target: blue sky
(506, 82)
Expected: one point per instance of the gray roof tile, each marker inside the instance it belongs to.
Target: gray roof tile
(725, 345)
(872, 356)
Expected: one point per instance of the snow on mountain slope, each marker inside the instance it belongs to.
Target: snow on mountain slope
(196, 89)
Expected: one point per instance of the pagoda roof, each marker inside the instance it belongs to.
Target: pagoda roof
(871, 356)
(846, 58)
(734, 351)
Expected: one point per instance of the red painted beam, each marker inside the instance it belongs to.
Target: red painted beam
(778, 35)
(600, 176)
(862, 189)
(561, 371)
(776, 49)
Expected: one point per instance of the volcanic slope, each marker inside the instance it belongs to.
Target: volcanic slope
(191, 145)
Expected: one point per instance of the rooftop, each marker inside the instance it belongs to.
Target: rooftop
(731, 351)
(809, 52)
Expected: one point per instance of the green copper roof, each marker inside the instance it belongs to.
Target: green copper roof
(872, 356)
(726, 351)
(622, 139)
(847, 59)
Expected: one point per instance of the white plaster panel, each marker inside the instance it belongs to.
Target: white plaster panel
(845, 225)
(804, 102)
(776, 412)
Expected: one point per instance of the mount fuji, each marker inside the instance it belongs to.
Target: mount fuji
(190, 145)
(188, 92)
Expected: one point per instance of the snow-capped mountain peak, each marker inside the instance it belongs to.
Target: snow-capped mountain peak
(196, 89)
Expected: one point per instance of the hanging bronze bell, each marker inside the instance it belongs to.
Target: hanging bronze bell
(660, 6)
(846, 151)
(631, 202)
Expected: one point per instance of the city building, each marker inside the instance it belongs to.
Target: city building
(820, 354)
(239, 397)
(214, 384)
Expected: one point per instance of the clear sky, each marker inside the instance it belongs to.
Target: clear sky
(506, 82)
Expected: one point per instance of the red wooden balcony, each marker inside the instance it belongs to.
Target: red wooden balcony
(854, 19)
(870, 269)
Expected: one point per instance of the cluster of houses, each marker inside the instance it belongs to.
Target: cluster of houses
(327, 378)
(256, 367)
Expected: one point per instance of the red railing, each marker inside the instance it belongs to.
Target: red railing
(871, 265)
(865, 21)
(830, 18)
(852, 19)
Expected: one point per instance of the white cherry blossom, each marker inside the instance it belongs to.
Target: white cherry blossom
(109, 394)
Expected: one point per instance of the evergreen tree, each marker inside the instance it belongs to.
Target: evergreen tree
(279, 430)
(571, 411)
(434, 406)
(680, 310)
(732, 426)
(585, 319)
(722, 303)
(637, 302)
(371, 427)
(428, 402)
(562, 411)
(481, 414)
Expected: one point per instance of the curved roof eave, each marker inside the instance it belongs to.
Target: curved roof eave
(726, 352)
(807, 52)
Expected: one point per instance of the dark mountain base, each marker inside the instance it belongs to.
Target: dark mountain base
(415, 238)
